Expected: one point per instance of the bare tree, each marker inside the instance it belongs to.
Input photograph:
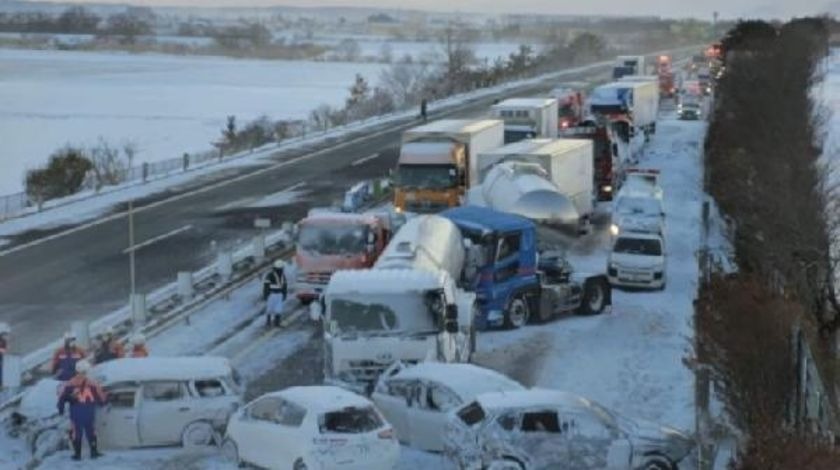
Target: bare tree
(456, 42)
(108, 167)
(404, 82)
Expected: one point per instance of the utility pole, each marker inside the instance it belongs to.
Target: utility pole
(131, 246)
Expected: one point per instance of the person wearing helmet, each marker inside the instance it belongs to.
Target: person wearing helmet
(274, 293)
(109, 347)
(138, 346)
(83, 394)
(4, 347)
(65, 358)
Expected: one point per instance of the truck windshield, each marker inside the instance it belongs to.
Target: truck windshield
(427, 176)
(405, 312)
(638, 246)
(333, 239)
(567, 110)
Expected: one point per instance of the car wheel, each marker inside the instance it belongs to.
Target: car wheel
(658, 463)
(299, 464)
(231, 453)
(505, 464)
(198, 434)
(594, 296)
(517, 313)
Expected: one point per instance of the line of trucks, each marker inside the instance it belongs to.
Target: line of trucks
(483, 202)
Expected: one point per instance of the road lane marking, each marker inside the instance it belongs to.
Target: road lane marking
(225, 182)
(364, 159)
(269, 334)
(156, 239)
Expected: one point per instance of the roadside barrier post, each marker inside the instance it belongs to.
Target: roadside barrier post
(225, 265)
(145, 171)
(81, 329)
(185, 286)
(259, 247)
(12, 371)
(138, 309)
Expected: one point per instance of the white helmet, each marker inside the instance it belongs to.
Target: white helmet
(68, 336)
(4, 328)
(107, 331)
(138, 338)
(279, 264)
(83, 366)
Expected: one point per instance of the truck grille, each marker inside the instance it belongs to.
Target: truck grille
(425, 207)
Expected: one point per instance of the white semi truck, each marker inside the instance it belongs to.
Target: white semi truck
(407, 308)
(527, 118)
(568, 164)
(635, 103)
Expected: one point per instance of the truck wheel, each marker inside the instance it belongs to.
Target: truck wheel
(594, 297)
(517, 313)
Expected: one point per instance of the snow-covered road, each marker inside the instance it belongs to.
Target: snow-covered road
(630, 359)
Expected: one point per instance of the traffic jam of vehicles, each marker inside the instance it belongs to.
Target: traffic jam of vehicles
(475, 240)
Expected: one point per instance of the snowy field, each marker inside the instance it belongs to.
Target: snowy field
(630, 360)
(168, 105)
(431, 51)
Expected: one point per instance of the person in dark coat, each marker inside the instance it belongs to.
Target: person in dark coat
(424, 109)
(65, 358)
(4, 347)
(275, 290)
(83, 394)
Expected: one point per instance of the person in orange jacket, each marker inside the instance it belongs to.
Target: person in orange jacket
(109, 347)
(84, 395)
(138, 346)
(65, 358)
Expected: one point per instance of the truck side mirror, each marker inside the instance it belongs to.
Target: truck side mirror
(316, 310)
(450, 324)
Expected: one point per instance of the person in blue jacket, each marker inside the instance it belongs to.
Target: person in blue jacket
(65, 358)
(84, 395)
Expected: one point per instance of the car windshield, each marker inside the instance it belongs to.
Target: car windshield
(333, 239)
(350, 421)
(638, 205)
(382, 313)
(427, 176)
(638, 246)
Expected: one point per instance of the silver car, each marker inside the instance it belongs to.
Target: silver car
(546, 429)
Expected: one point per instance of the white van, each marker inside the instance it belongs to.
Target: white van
(160, 401)
(638, 260)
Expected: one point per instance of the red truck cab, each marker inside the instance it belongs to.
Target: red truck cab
(332, 241)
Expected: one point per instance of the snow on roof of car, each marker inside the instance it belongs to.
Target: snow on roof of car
(384, 281)
(466, 380)
(530, 398)
(333, 216)
(322, 398)
(161, 368)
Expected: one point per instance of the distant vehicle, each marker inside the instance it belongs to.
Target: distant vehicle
(629, 65)
(634, 103)
(689, 111)
(638, 206)
(436, 165)
(328, 241)
(569, 108)
(416, 400)
(667, 87)
(542, 429)
(638, 259)
(316, 427)
(527, 118)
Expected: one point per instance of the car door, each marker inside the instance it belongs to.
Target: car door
(393, 400)
(428, 415)
(117, 422)
(543, 441)
(259, 439)
(165, 410)
(590, 439)
(212, 398)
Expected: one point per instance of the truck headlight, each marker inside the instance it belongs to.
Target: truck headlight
(614, 230)
(607, 189)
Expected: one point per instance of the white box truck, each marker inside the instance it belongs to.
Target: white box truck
(636, 62)
(636, 102)
(568, 162)
(436, 164)
(527, 118)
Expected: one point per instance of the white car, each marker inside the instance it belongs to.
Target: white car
(638, 260)
(639, 213)
(547, 429)
(308, 428)
(416, 399)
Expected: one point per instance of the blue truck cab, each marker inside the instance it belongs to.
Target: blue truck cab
(504, 248)
(512, 282)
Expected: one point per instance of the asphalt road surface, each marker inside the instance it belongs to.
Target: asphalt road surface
(82, 273)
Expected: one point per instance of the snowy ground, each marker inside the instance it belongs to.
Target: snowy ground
(168, 105)
(629, 359)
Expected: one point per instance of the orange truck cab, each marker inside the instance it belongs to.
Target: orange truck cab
(437, 164)
(667, 87)
(329, 241)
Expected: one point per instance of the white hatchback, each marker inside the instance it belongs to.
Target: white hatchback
(638, 260)
(317, 427)
(416, 399)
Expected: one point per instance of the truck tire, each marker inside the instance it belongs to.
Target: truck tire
(595, 295)
(517, 313)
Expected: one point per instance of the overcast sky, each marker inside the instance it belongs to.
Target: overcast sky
(668, 8)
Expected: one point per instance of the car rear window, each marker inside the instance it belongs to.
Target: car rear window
(471, 414)
(351, 421)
